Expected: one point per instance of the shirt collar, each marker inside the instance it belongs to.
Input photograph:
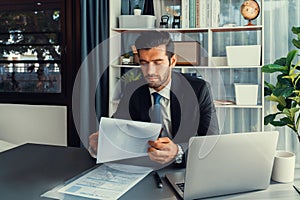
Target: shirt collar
(165, 92)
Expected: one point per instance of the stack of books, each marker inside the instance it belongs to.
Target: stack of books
(201, 13)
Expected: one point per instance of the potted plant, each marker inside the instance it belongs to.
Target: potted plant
(137, 10)
(286, 91)
(131, 75)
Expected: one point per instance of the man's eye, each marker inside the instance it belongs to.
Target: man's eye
(143, 63)
(158, 62)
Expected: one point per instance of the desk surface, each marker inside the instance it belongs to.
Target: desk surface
(29, 170)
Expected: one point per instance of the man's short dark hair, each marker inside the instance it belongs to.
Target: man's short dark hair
(151, 39)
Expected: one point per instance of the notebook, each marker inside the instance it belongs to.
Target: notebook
(226, 164)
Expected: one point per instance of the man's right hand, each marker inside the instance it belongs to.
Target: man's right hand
(93, 142)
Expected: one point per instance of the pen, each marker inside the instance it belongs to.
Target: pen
(158, 180)
(297, 189)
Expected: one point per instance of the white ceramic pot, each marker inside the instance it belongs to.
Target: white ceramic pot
(137, 11)
(284, 167)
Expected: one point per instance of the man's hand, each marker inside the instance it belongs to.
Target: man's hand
(163, 150)
(93, 142)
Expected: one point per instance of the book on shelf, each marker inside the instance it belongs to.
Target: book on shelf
(215, 13)
(202, 13)
(192, 14)
(185, 13)
(197, 13)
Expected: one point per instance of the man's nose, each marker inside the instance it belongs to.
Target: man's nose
(151, 69)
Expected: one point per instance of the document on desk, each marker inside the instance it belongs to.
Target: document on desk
(122, 139)
(108, 181)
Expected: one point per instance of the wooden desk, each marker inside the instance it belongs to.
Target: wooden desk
(30, 170)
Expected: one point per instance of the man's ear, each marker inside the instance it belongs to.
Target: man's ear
(173, 60)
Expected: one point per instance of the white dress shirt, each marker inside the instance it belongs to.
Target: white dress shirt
(166, 109)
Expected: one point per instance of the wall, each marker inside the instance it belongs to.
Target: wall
(42, 124)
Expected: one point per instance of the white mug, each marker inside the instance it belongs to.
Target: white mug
(284, 167)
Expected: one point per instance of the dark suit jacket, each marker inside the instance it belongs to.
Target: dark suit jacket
(192, 108)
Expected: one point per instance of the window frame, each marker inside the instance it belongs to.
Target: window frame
(67, 73)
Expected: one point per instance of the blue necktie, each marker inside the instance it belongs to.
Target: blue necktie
(156, 109)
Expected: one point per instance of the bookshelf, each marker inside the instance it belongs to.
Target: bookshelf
(213, 65)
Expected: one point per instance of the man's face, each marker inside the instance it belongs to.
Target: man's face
(156, 66)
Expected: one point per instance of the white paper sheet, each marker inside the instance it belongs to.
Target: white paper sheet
(121, 139)
(108, 181)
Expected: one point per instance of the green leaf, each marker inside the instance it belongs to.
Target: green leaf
(280, 107)
(269, 85)
(283, 82)
(297, 121)
(287, 120)
(267, 91)
(297, 79)
(294, 111)
(292, 76)
(296, 43)
(290, 57)
(278, 123)
(296, 30)
(290, 113)
(271, 68)
(279, 99)
(269, 118)
(296, 99)
(280, 61)
(285, 92)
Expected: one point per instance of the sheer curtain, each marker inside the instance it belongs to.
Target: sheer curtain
(279, 17)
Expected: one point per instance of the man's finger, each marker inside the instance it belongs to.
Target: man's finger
(164, 140)
(156, 144)
(151, 149)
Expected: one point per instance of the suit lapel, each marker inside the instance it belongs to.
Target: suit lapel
(141, 103)
(175, 106)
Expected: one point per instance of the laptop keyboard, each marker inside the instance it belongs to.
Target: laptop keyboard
(180, 186)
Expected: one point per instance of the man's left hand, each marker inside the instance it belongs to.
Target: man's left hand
(163, 150)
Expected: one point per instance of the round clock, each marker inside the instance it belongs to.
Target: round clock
(250, 10)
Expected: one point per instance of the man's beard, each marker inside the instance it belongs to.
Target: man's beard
(161, 82)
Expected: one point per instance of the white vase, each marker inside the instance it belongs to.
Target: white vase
(137, 11)
(284, 167)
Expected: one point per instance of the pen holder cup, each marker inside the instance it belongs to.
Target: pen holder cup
(284, 167)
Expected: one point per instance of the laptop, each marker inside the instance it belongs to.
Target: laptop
(226, 164)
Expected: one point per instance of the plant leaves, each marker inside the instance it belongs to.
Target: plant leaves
(296, 99)
(296, 30)
(293, 76)
(287, 120)
(290, 113)
(290, 57)
(269, 118)
(271, 68)
(283, 82)
(278, 123)
(294, 110)
(268, 89)
(280, 61)
(296, 43)
(279, 99)
(285, 92)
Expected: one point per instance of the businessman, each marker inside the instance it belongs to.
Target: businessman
(185, 103)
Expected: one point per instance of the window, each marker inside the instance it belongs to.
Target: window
(31, 46)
